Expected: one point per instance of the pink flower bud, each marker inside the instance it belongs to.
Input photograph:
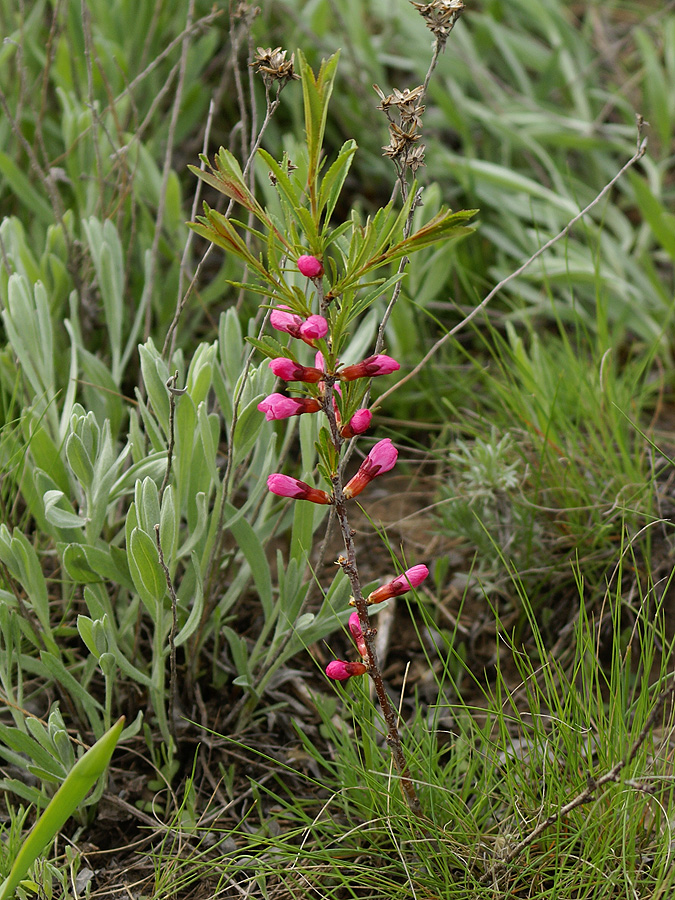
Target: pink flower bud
(381, 459)
(358, 423)
(285, 486)
(400, 585)
(283, 319)
(292, 371)
(310, 266)
(341, 670)
(357, 634)
(370, 367)
(277, 406)
(313, 327)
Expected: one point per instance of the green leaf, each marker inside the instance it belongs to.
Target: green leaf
(155, 377)
(109, 564)
(269, 348)
(79, 781)
(197, 609)
(250, 545)
(20, 557)
(146, 498)
(146, 571)
(79, 461)
(77, 566)
(316, 94)
(247, 430)
(17, 182)
(228, 179)
(106, 251)
(168, 526)
(55, 515)
(240, 658)
(333, 181)
(61, 674)
(290, 188)
(209, 444)
(45, 453)
(198, 528)
(19, 742)
(661, 222)
(92, 633)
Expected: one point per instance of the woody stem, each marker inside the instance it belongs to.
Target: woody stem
(349, 566)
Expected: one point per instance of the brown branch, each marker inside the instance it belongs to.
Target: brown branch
(350, 568)
(173, 393)
(639, 153)
(587, 795)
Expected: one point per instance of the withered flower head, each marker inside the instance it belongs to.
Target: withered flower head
(440, 16)
(405, 103)
(403, 135)
(273, 65)
(415, 157)
(400, 142)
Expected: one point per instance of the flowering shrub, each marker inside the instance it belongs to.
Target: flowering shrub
(341, 272)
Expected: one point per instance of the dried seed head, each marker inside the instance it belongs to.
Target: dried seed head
(415, 157)
(405, 102)
(401, 147)
(403, 130)
(440, 16)
(273, 65)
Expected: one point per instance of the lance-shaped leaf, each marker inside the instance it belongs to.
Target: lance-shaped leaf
(227, 178)
(333, 181)
(79, 781)
(220, 231)
(316, 94)
(444, 226)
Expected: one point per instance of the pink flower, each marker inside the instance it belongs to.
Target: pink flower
(277, 406)
(285, 486)
(284, 319)
(310, 266)
(292, 371)
(313, 327)
(357, 634)
(358, 423)
(341, 670)
(369, 367)
(412, 578)
(381, 459)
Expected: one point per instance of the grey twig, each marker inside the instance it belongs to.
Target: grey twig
(639, 153)
(173, 683)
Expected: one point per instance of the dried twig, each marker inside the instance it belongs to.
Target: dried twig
(166, 169)
(639, 153)
(587, 794)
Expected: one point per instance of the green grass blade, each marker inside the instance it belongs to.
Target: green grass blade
(72, 792)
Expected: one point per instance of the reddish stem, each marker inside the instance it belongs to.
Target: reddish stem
(349, 566)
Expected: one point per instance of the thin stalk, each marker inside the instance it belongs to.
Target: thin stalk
(173, 680)
(639, 153)
(166, 168)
